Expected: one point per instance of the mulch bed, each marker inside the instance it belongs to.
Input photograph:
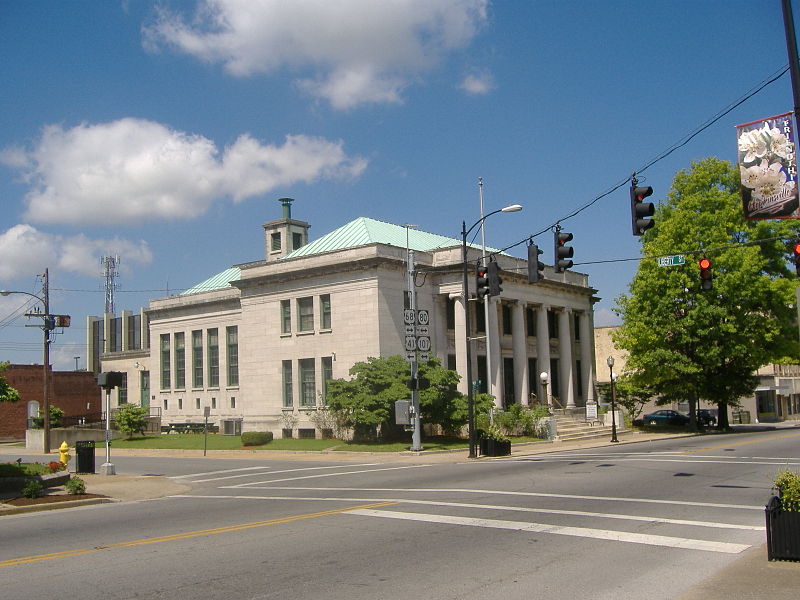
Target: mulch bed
(49, 499)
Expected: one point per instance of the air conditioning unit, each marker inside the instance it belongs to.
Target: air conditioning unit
(231, 426)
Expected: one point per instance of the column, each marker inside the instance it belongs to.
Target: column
(439, 321)
(565, 359)
(587, 357)
(542, 351)
(520, 346)
(461, 347)
(493, 334)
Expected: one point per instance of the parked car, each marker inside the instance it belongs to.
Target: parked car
(665, 417)
(706, 418)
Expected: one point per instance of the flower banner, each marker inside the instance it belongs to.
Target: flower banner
(768, 168)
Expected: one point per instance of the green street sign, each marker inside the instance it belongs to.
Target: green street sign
(670, 261)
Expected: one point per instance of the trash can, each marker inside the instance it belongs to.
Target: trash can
(84, 453)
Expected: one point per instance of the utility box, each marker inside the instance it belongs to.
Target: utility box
(84, 456)
(402, 412)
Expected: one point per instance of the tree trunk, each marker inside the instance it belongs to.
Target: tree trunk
(722, 416)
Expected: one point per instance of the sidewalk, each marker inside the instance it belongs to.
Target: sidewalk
(751, 577)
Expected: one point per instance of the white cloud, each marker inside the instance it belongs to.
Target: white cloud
(477, 84)
(605, 317)
(133, 170)
(357, 51)
(26, 250)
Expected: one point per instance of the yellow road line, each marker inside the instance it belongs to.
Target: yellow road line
(756, 441)
(183, 536)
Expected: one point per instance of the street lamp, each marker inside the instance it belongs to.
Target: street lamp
(544, 377)
(610, 363)
(464, 289)
(46, 359)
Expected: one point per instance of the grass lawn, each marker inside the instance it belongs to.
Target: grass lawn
(194, 441)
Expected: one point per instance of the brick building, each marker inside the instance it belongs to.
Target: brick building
(74, 392)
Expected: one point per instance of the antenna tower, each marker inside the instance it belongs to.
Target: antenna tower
(109, 264)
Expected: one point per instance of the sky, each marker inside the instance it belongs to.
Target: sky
(165, 131)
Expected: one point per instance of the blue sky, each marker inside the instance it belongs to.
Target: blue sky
(165, 131)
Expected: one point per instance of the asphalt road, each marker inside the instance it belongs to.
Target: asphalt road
(630, 521)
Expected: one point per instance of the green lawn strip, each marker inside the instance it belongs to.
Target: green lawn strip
(194, 441)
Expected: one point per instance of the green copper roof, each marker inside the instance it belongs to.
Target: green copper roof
(359, 232)
(216, 282)
(364, 231)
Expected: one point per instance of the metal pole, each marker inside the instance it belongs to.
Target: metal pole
(46, 360)
(791, 46)
(465, 298)
(416, 436)
(486, 300)
(613, 406)
(107, 468)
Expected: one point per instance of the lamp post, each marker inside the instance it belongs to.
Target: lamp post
(544, 377)
(610, 363)
(46, 326)
(464, 295)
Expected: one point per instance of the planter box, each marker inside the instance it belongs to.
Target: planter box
(783, 532)
(15, 484)
(489, 447)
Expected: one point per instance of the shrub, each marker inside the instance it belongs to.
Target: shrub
(56, 466)
(76, 485)
(131, 418)
(256, 438)
(32, 489)
(787, 484)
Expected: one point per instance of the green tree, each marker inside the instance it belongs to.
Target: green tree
(365, 403)
(131, 418)
(689, 344)
(629, 394)
(7, 393)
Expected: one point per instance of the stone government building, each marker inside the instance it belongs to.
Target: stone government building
(258, 341)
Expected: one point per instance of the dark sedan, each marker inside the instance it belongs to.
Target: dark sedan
(665, 417)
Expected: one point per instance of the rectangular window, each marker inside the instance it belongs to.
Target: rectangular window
(506, 319)
(576, 323)
(552, 324)
(213, 357)
(451, 313)
(286, 316)
(297, 240)
(197, 403)
(180, 360)
(233, 401)
(327, 375)
(122, 392)
(305, 314)
(197, 358)
(533, 377)
(275, 241)
(555, 383)
(578, 379)
(180, 403)
(134, 332)
(451, 362)
(483, 388)
(307, 382)
(530, 318)
(166, 404)
(325, 311)
(480, 317)
(116, 334)
(232, 354)
(287, 384)
(213, 403)
(165, 371)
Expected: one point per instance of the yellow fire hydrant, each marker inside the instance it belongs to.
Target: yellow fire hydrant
(63, 451)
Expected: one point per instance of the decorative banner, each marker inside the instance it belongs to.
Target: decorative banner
(768, 168)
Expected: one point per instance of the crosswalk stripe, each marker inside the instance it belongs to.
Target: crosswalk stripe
(584, 532)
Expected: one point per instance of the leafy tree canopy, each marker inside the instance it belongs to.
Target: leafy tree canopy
(687, 343)
(131, 419)
(7, 393)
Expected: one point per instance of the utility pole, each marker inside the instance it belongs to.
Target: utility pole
(46, 326)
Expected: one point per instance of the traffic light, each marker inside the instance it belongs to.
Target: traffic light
(535, 266)
(494, 279)
(706, 276)
(482, 282)
(640, 210)
(562, 252)
(796, 253)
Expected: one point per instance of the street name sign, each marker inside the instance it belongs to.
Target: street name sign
(671, 261)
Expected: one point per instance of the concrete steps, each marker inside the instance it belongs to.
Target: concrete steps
(569, 428)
